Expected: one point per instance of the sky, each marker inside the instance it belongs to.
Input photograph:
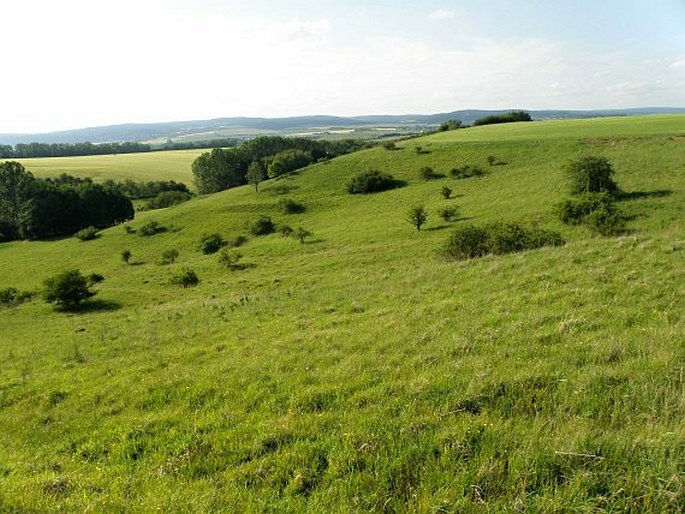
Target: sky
(82, 63)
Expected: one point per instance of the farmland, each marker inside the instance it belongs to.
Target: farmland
(362, 370)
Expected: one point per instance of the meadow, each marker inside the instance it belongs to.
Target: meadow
(362, 371)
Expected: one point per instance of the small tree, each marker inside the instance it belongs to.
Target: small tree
(229, 258)
(255, 174)
(446, 192)
(169, 256)
(185, 278)
(301, 234)
(126, 256)
(591, 174)
(449, 213)
(418, 216)
(67, 290)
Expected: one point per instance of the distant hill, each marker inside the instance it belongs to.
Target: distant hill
(199, 130)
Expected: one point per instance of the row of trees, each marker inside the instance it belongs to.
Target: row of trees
(32, 208)
(503, 118)
(26, 150)
(270, 156)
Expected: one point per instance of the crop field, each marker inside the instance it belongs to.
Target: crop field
(140, 167)
(362, 370)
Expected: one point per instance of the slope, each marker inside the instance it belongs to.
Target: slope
(361, 371)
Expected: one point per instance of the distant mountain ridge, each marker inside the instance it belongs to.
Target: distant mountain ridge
(246, 126)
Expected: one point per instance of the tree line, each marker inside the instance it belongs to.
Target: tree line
(223, 168)
(34, 208)
(507, 117)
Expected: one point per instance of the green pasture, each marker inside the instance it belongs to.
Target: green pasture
(362, 371)
(140, 167)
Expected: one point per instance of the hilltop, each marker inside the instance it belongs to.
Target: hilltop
(362, 370)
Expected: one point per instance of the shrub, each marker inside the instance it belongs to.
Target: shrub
(449, 213)
(591, 174)
(126, 256)
(11, 296)
(229, 259)
(167, 199)
(211, 243)
(185, 278)
(262, 226)
(129, 229)
(389, 145)
(286, 230)
(417, 216)
(467, 171)
(301, 234)
(574, 211)
(449, 125)
(446, 192)
(151, 228)
(498, 238)
(87, 234)
(95, 278)
(168, 256)
(427, 173)
(607, 222)
(503, 118)
(372, 181)
(288, 206)
(67, 290)
(236, 241)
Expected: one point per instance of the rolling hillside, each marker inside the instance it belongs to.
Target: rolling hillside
(362, 371)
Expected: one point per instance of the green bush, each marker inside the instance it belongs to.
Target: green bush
(168, 256)
(211, 243)
(95, 278)
(185, 278)
(607, 222)
(167, 199)
(262, 226)
(417, 216)
(498, 238)
(372, 181)
(286, 230)
(449, 213)
(86, 234)
(229, 258)
(11, 296)
(151, 228)
(591, 174)
(466, 171)
(301, 234)
(67, 290)
(288, 206)
(236, 241)
(574, 211)
(427, 173)
(446, 192)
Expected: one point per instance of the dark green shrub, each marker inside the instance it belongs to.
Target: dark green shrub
(449, 213)
(86, 234)
(262, 226)
(151, 228)
(95, 278)
(126, 256)
(236, 241)
(129, 229)
(427, 173)
(389, 145)
(8, 230)
(372, 181)
(574, 211)
(229, 259)
(185, 278)
(286, 230)
(168, 256)
(449, 125)
(508, 117)
(211, 243)
(417, 216)
(301, 234)
(446, 192)
(67, 290)
(288, 206)
(591, 174)
(167, 199)
(498, 238)
(11, 296)
(607, 222)
(467, 171)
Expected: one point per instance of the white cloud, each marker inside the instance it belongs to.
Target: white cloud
(442, 15)
(678, 64)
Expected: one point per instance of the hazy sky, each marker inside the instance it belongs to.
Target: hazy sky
(75, 63)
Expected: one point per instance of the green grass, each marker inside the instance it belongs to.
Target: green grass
(361, 371)
(140, 167)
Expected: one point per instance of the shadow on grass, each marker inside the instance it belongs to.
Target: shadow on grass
(638, 195)
(94, 306)
(313, 241)
(434, 229)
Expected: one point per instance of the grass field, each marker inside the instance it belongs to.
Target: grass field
(362, 371)
(169, 165)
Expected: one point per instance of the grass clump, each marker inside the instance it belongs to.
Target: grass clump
(229, 259)
(498, 238)
(372, 181)
(11, 297)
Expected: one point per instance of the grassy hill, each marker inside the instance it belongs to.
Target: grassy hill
(362, 371)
